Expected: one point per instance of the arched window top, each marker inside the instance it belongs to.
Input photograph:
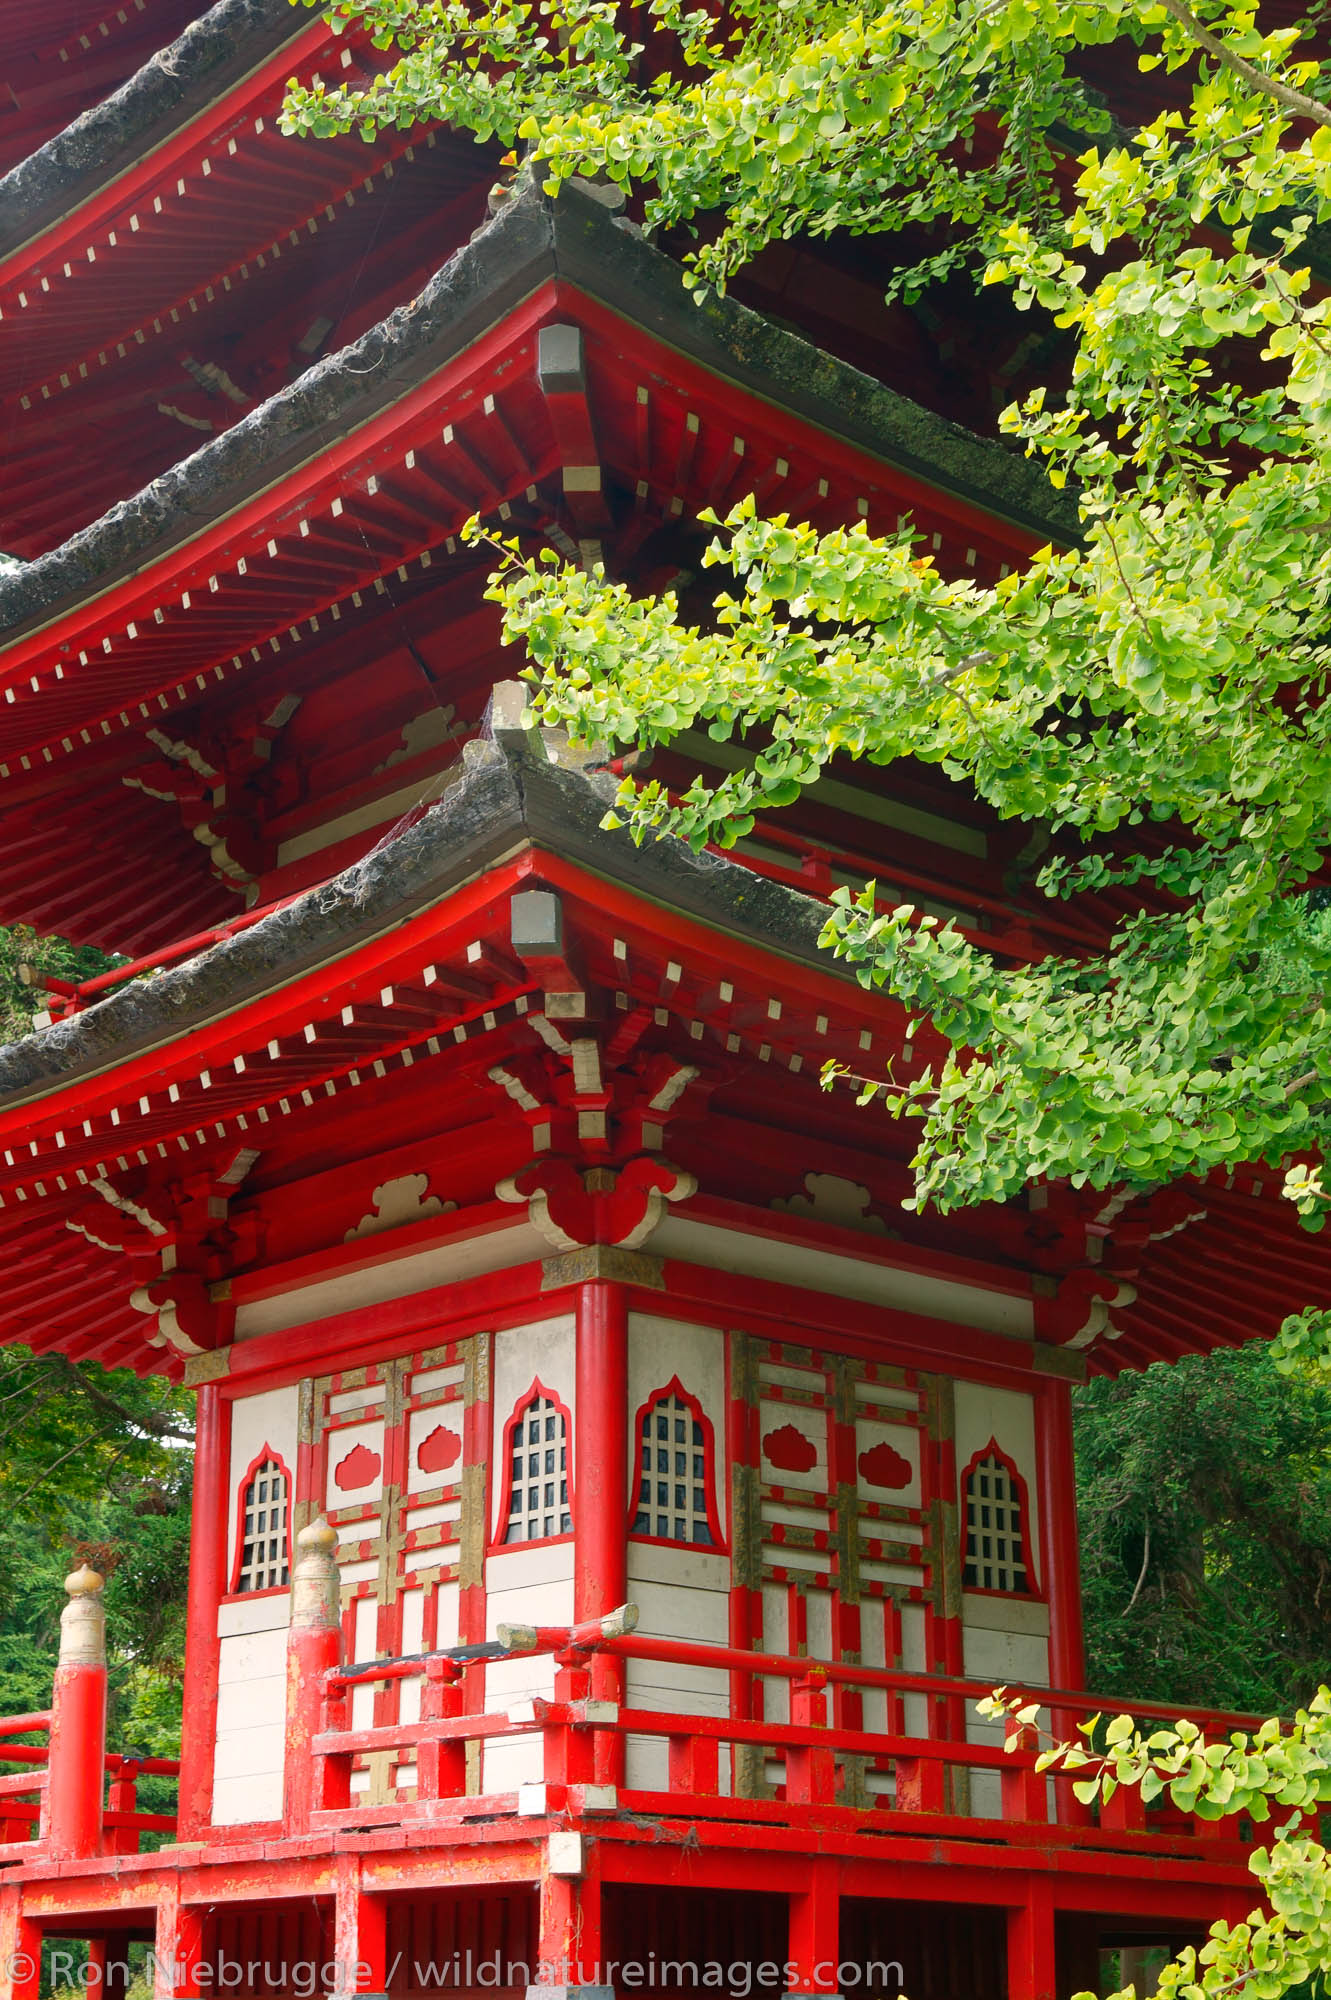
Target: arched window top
(537, 1473)
(676, 1471)
(263, 1560)
(997, 1525)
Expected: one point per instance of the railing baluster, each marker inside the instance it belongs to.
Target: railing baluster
(1025, 1792)
(811, 1772)
(441, 1768)
(694, 1766)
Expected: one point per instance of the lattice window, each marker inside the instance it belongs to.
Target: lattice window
(538, 1472)
(263, 1529)
(995, 1526)
(673, 1474)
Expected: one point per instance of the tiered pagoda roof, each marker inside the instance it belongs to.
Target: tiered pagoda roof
(258, 687)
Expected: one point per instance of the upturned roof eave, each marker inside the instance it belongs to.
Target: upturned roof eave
(177, 84)
(508, 797)
(533, 237)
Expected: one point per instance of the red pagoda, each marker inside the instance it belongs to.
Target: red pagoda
(610, 1503)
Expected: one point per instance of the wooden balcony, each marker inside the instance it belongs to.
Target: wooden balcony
(822, 1773)
(816, 1836)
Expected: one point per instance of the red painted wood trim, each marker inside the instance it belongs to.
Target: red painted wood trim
(601, 1575)
(1056, 1490)
(312, 484)
(381, 1332)
(73, 229)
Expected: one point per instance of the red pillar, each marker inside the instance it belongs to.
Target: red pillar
(314, 1644)
(360, 1935)
(1030, 1944)
(207, 1585)
(600, 1486)
(1056, 1488)
(20, 1946)
(570, 1938)
(813, 1949)
(77, 1761)
(177, 1947)
(1056, 1484)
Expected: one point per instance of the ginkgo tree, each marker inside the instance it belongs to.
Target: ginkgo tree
(1165, 672)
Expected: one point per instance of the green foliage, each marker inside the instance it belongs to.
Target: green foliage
(22, 950)
(1167, 672)
(1285, 1766)
(1204, 1511)
(96, 1467)
(1169, 669)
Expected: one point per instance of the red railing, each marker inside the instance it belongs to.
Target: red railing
(23, 1793)
(819, 1769)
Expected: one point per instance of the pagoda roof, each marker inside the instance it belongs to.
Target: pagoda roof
(262, 541)
(166, 259)
(535, 239)
(210, 55)
(57, 58)
(408, 959)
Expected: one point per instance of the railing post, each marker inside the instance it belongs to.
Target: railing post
(569, 1752)
(693, 1766)
(441, 1767)
(810, 1772)
(1125, 1812)
(1025, 1794)
(314, 1644)
(122, 1796)
(72, 1818)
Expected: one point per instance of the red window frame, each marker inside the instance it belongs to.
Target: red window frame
(674, 1387)
(265, 1456)
(1022, 1494)
(538, 1390)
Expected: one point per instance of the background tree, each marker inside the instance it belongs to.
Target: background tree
(93, 1465)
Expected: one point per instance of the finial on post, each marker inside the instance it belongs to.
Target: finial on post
(83, 1620)
(314, 1646)
(76, 1756)
(316, 1584)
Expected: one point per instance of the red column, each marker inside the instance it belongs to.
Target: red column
(20, 1946)
(207, 1585)
(600, 1455)
(314, 1644)
(77, 1761)
(1030, 1945)
(600, 1485)
(360, 1935)
(570, 1949)
(177, 1947)
(813, 1949)
(1056, 1484)
(1056, 1487)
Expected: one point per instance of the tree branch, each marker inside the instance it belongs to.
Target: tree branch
(1294, 101)
(1141, 1575)
(145, 1420)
